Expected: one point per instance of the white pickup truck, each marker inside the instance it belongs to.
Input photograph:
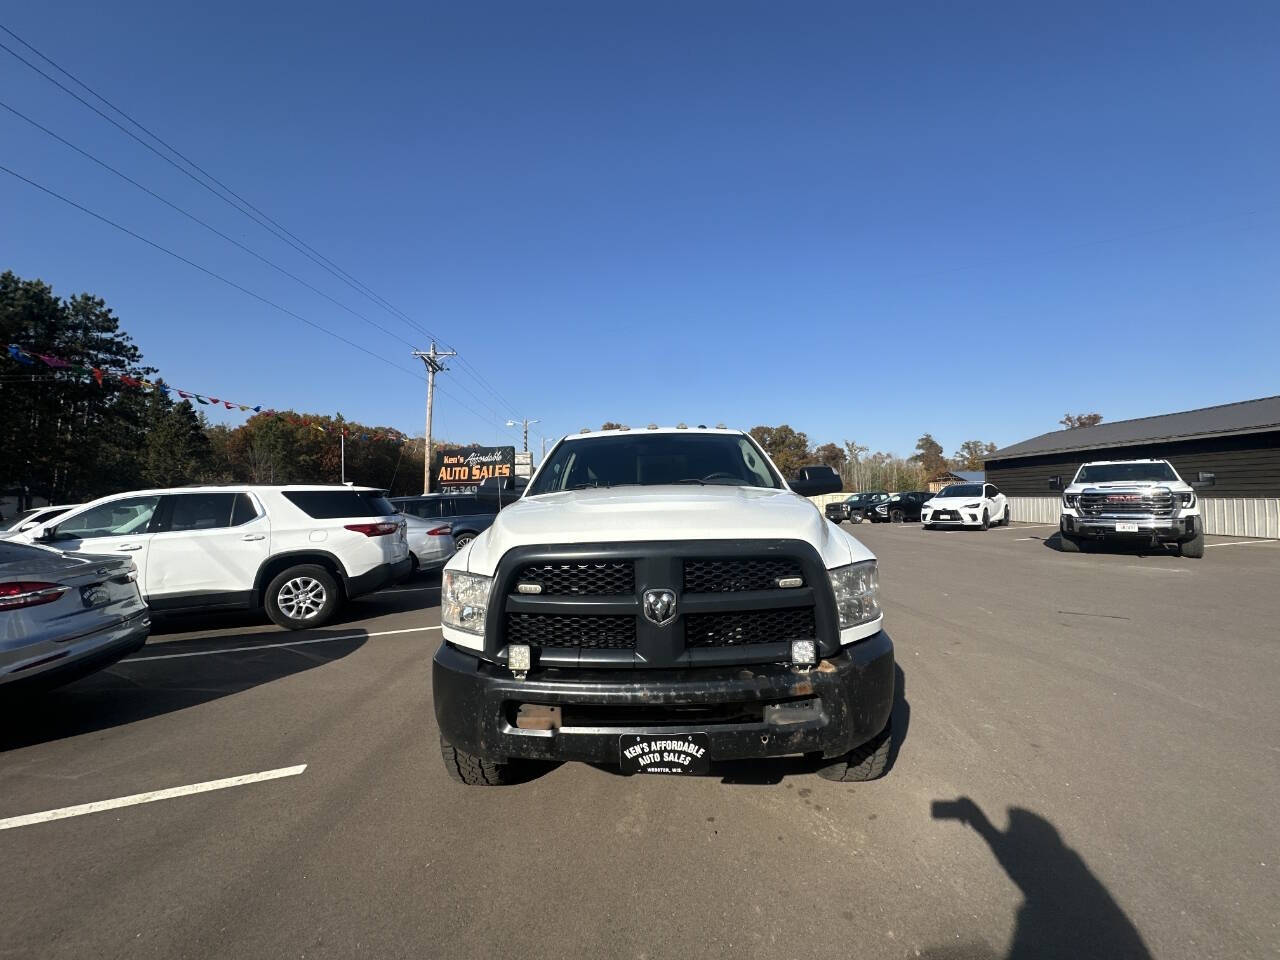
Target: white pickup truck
(659, 599)
(1131, 500)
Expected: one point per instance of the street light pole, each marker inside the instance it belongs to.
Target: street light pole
(526, 421)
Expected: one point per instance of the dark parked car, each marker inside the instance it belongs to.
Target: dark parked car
(902, 507)
(466, 513)
(63, 615)
(858, 507)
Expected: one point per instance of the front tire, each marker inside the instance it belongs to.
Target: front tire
(1008, 516)
(472, 770)
(302, 597)
(1067, 544)
(1193, 548)
(866, 762)
(986, 520)
(896, 516)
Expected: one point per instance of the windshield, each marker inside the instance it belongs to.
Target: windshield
(652, 459)
(20, 519)
(962, 490)
(1125, 472)
(857, 498)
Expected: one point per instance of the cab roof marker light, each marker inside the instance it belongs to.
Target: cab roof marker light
(653, 426)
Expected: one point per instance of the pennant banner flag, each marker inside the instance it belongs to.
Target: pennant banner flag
(28, 358)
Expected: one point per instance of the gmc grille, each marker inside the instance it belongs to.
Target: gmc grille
(590, 579)
(572, 630)
(1101, 503)
(731, 576)
(756, 626)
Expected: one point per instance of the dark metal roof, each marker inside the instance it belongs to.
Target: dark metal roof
(1248, 416)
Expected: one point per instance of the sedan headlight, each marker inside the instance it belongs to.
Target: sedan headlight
(464, 600)
(972, 506)
(857, 590)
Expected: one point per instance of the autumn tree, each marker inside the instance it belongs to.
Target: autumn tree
(830, 454)
(788, 448)
(972, 455)
(1073, 420)
(929, 455)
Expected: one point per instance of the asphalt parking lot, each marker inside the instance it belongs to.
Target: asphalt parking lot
(1088, 766)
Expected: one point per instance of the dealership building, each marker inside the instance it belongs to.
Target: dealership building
(1237, 442)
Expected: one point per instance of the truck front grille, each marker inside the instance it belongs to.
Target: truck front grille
(731, 576)
(756, 626)
(560, 630)
(1102, 503)
(589, 579)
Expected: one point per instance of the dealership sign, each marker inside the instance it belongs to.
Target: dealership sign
(470, 466)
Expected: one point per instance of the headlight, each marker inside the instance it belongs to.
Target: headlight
(1071, 500)
(1187, 499)
(464, 600)
(857, 590)
(972, 506)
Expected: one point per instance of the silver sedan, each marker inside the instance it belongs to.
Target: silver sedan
(430, 542)
(63, 615)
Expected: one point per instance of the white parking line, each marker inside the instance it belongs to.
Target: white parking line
(150, 797)
(271, 646)
(1240, 543)
(1025, 526)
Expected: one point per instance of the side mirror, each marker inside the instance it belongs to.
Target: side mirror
(1055, 483)
(27, 526)
(815, 480)
(47, 535)
(1204, 480)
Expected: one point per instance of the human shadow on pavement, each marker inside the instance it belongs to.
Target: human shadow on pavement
(165, 677)
(1066, 912)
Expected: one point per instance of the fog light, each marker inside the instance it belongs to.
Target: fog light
(519, 657)
(804, 653)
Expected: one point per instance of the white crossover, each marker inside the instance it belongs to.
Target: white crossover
(297, 551)
(966, 505)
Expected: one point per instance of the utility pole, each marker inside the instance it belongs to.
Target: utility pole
(432, 360)
(526, 421)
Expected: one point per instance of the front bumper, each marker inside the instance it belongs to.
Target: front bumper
(959, 518)
(757, 710)
(1158, 528)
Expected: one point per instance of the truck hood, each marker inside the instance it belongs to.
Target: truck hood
(641, 514)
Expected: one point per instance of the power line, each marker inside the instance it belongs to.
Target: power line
(280, 232)
(203, 269)
(191, 216)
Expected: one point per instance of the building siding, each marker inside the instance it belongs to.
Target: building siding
(1247, 467)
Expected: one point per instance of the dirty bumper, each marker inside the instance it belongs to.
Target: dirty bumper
(760, 710)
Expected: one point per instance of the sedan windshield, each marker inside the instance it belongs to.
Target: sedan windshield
(962, 490)
(642, 459)
(1126, 472)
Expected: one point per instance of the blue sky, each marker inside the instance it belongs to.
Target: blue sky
(867, 221)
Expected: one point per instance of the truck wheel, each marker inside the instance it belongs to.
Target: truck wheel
(866, 762)
(301, 597)
(1068, 544)
(472, 770)
(986, 520)
(1194, 547)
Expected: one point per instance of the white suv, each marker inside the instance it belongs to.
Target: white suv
(298, 551)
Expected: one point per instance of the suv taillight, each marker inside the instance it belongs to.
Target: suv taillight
(373, 529)
(28, 593)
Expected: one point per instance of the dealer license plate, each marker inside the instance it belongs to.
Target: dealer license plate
(664, 753)
(946, 515)
(1126, 528)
